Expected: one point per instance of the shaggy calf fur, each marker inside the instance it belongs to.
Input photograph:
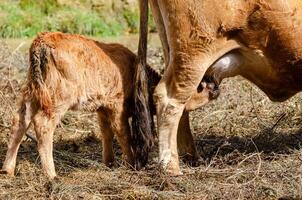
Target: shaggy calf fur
(71, 72)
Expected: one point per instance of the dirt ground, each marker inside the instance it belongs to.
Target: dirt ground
(250, 149)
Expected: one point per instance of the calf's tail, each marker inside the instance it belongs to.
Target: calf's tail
(38, 56)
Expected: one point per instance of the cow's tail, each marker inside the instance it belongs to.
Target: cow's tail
(142, 137)
(38, 55)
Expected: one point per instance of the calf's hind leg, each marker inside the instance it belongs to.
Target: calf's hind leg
(20, 125)
(120, 126)
(45, 127)
(107, 138)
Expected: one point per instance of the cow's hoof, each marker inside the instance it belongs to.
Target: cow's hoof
(193, 161)
(7, 172)
(172, 170)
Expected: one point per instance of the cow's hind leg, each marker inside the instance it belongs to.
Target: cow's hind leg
(185, 142)
(107, 138)
(20, 124)
(206, 91)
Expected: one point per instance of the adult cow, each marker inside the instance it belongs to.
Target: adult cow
(257, 39)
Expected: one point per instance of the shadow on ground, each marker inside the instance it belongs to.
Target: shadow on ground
(266, 142)
(86, 152)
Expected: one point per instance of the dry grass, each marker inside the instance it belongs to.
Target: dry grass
(250, 148)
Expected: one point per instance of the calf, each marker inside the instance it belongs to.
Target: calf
(71, 72)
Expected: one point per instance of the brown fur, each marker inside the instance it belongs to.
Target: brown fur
(195, 34)
(71, 72)
(38, 55)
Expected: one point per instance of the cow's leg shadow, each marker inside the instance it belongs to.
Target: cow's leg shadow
(267, 142)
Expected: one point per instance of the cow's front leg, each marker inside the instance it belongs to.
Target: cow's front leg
(178, 84)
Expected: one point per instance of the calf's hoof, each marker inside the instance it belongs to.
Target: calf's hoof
(109, 162)
(51, 176)
(8, 172)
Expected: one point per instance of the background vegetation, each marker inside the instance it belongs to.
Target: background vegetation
(25, 18)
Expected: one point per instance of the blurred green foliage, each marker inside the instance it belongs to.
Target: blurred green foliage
(26, 18)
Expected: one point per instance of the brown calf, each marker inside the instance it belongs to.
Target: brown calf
(71, 72)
